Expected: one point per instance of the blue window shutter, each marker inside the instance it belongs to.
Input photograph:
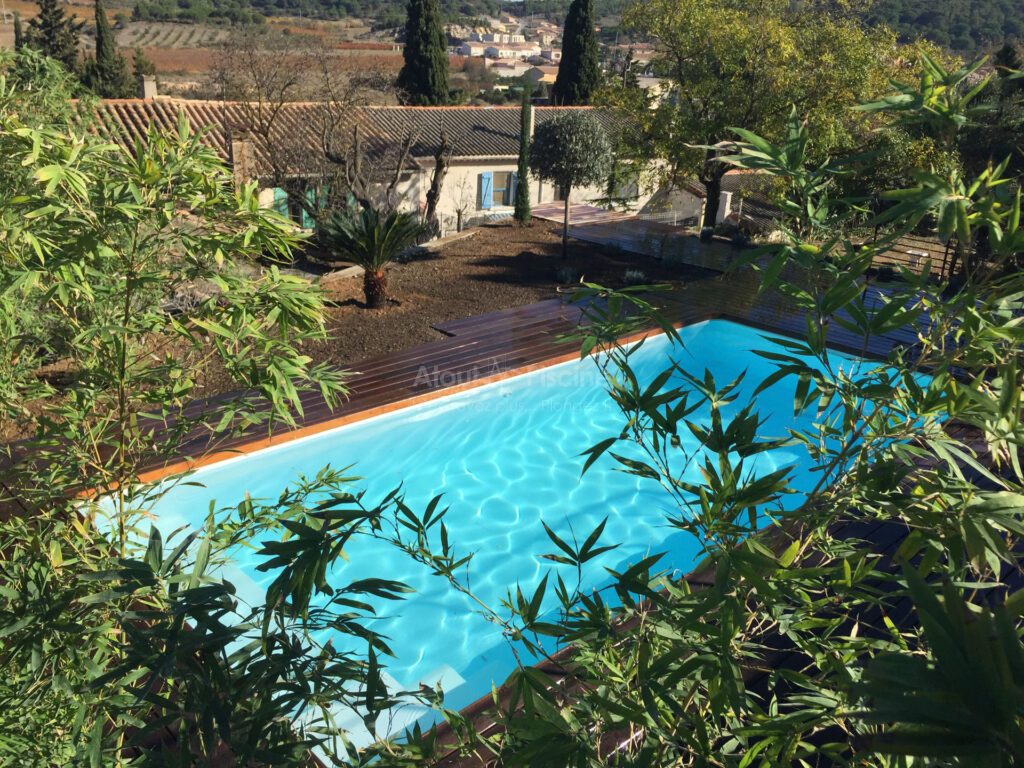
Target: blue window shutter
(311, 195)
(280, 201)
(512, 184)
(486, 189)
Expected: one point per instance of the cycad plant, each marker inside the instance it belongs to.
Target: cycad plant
(372, 239)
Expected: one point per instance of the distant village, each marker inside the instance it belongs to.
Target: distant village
(513, 48)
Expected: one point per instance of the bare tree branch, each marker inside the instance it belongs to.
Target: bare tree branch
(308, 146)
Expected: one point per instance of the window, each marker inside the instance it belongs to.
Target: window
(495, 189)
(502, 194)
(280, 201)
(286, 206)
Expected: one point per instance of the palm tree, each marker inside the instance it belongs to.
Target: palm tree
(372, 240)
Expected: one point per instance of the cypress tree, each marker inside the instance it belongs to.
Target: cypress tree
(522, 212)
(107, 74)
(423, 80)
(579, 74)
(55, 34)
(19, 33)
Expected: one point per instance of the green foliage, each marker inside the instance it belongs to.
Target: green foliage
(141, 66)
(957, 126)
(740, 65)
(941, 102)
(55, 34)
(141, 227)
(160, 640)
(1007, 62)
(570, 150)
(522, 202)
(107, 74)
(200, 11)
(969, 27)
(892, 157)
(371, 240)
(423, 80)
(999, 133)
(130, 274)
(579, 72)
(46, 91)
(976, 669)
(384, 14)
(807, 204)
(980, 122)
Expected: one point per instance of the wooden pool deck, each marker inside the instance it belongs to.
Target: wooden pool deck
(501, 344)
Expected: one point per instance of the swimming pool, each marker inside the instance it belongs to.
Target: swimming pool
(506, 456)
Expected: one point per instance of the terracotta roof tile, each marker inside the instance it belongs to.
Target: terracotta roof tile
(475, 131)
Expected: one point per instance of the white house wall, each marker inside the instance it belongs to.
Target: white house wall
(266, 197)
(461, 190)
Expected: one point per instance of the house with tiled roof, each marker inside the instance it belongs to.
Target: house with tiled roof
(288, 143)
(543, 75)
(503, 68)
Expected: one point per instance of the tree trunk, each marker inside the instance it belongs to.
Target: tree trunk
(565, 224)
(375, 288)
(711, 177)
(441, 161)
(713, 190)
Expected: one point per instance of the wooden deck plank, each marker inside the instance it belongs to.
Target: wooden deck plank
(540, 311)
(555, 212)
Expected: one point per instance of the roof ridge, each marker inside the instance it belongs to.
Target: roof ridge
(174, 100)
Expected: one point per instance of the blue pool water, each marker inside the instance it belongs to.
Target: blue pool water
(505, 456)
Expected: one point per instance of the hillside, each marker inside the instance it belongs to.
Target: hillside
(968, 26)
(963, 25)
(385, 13)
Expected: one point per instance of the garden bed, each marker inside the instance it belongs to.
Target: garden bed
(503, 265)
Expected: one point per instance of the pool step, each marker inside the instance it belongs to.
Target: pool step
(401, 716)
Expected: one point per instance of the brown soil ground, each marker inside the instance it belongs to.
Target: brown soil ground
(501, 266)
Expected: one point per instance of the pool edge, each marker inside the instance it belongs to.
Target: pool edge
(188, 464)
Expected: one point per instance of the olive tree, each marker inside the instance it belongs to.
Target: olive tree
(731, 64)
(570, 150)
